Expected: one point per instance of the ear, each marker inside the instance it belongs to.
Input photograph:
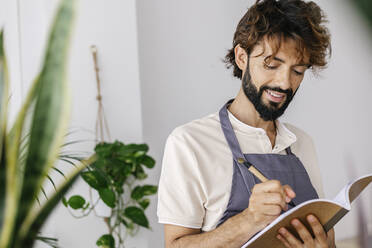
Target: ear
(241, 57)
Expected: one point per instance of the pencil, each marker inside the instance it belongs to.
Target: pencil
(258, 174)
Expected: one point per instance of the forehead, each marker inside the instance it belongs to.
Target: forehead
(287, 49)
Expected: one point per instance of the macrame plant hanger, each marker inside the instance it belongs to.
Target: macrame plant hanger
(101, 122)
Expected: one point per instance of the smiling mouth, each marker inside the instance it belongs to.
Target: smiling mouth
(275, 96)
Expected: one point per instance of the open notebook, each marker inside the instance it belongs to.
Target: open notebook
(329, 212)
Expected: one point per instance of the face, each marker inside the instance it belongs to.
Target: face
(270, 84)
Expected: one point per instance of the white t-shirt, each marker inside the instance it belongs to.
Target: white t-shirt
(197, 167)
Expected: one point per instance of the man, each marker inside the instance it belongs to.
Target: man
(207, 196)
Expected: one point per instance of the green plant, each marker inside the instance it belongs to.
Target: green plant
(113, 175)
(365, 7)
(44, 117)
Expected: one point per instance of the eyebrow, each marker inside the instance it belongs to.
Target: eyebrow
(280, 60)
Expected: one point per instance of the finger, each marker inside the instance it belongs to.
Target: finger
(318, 230)
(273, 186)
(302, 231)
(274, 199)
(331, 238)
(283, 240)
(292, 241)
(289, 192)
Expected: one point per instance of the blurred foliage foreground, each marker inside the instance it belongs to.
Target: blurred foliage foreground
(365, 7)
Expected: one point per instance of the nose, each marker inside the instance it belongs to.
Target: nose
(284, 79)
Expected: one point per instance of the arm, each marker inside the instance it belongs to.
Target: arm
(233, 233)
(265, 204)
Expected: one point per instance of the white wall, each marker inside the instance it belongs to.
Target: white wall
(181, 44)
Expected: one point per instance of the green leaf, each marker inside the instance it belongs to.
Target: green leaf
(139, 154)
(76, 202)
(147, 161)
(35, 220)
(140, 173)
(365, 8)
(2, 186)
(137, 216)
(51, 242)
(137, 193)
(106, 241)
(149, 189)
(108, 197)
(51, 111)
(144, 203)
(131, 149)
(103, 149)
(4, 97)
(94, 179)
(64, 201)
(86, 206)
(141, 191)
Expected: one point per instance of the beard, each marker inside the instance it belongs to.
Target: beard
(268, 112)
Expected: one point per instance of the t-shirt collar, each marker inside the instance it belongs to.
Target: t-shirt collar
(284, 137)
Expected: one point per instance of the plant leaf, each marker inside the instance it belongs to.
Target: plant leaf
(137, 216)
(64, 201)
(144, 203)
(140, 173)
(149, 189)
(4, 92)
(125, 223)
(132, 149)
(108, 197)
(106, 241)
(141, 191)
(35, 220)
(2, 186)
(76, 202)
(147, 161)
(50, 116)
(94, 179)
(52, 242)
(137, 193)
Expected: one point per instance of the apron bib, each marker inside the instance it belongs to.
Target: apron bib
(287, 168)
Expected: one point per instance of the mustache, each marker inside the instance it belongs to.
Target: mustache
(289, 92)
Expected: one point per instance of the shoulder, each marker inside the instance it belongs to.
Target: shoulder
(197, 129)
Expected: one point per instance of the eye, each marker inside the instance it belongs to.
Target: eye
(269, 67)
(298, 73)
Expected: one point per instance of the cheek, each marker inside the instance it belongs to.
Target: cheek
(296, 83)
(260, 76)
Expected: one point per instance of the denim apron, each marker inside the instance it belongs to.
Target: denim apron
(286, 168)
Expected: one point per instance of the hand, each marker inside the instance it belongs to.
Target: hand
(321, 240)
(267, 201)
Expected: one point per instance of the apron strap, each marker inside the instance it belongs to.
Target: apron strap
(228, 131)
(230, 136)
(289, 151)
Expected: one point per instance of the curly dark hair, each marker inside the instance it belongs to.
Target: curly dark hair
(279, 20)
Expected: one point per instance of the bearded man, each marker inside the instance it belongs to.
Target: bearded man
(207, 196)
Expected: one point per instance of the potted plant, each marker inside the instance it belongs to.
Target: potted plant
(115, 175)
(44, 117)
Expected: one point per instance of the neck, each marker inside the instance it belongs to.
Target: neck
(243, 109)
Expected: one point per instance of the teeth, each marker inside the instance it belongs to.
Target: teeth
(274, 94)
